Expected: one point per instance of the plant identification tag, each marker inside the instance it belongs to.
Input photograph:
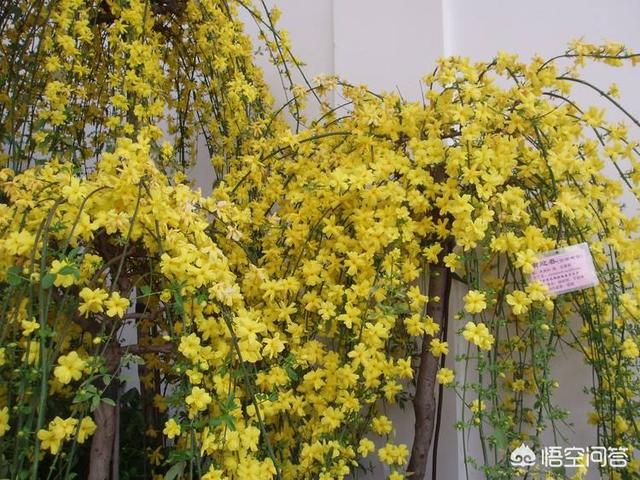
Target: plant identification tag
(566, 269)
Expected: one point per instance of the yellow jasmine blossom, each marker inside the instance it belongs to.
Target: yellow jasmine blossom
(86, 429)
(475, 302)
(214, 474)
(59, 430)
(438, 347)
(28, 327)
(197, 400)
(518, 385)
(526, 260)
(93, 300)
(69, 368)
(393, 454)
(477, 406)
(50, 440)
(478, 334)
(445, 376)
(19, 243)
(538, 291)
(62, 280)
(171, 428)
(452, 261)
(630, 349)
(4, 420)
(273, 346)
(519, 302)
(190, 347)
(155, 456)
(365, 447)
(116, 305)
(381, 425)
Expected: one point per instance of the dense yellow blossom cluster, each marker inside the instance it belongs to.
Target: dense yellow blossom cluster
(278, 317)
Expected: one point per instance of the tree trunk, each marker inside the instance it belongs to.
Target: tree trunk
(103, 442)
(424, 402)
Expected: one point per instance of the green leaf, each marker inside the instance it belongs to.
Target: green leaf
(14, 276)
(176, 456)
(70, 270)
(85, 393)
(47, 280)
(293, 375)
(109, 402)
(228, 420)
(501, 438)
(146, 290)
(95, 403)
(175, 471)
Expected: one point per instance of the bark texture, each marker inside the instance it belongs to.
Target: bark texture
(103, 442)
(424, 401)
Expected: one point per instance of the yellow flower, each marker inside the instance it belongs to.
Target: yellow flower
(438, 347)
(155, 456)
(526, 260)
(86, 429)
(331, 418)
(62, 280)
(445, 376)
(4, 420)
(19, 243)
(214, 474)
(475, 301)
(50, 440)
(171, 428)
(197, 400)
(365, 447)
(479, 335)
(518, 385)
(116, 305)
(273, 346)
(92, 300)
(393, 454)
(477, 406)
(537, 291)
(630, 349)
(190, 347)
(195, 376)
(28, 327)
(33, 355)
(69, 368)
(593, 116)
(381, 425)
(59, 430)
(452, 261)
(519, 302)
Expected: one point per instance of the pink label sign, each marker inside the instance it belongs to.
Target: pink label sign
(566, 269)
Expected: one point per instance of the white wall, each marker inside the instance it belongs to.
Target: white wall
(390, 45)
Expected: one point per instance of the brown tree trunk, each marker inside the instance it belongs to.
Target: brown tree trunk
(105, 416)
(102, 443)
(424, 401)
